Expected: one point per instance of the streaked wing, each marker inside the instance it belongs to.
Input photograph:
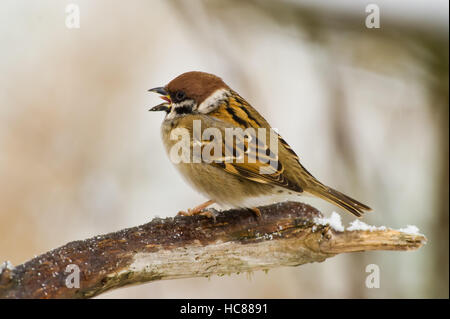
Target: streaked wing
(247, 154)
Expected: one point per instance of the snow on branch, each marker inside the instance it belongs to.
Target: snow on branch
(235, 241)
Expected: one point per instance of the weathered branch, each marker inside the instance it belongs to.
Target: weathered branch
(287, 234)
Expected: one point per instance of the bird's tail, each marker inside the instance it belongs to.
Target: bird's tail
(337, 198)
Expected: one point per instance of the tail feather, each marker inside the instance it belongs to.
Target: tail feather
(337, 198)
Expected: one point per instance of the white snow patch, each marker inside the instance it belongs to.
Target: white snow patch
(334, 221)
(359, 225)
(410, 229)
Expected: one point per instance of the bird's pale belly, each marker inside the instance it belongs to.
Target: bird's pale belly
(230, 191)
(226, 189)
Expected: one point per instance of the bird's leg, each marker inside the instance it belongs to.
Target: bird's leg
(198, 210)
(256, 211)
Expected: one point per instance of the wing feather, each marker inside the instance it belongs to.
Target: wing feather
(248, 154)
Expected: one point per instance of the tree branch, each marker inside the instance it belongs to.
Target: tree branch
(235, 241)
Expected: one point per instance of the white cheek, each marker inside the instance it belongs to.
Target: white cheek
(213, 101)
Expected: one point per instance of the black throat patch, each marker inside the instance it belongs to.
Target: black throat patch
(185, 109)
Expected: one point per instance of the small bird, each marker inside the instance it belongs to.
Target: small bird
(254, 173)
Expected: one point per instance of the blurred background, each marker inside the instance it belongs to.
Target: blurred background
(366, 110)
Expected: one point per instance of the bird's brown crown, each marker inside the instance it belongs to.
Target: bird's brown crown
(196, 85)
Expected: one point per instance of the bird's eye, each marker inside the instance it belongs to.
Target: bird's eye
(179, 96)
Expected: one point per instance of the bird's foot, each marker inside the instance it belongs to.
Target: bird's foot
(257, 212)
(198, 210)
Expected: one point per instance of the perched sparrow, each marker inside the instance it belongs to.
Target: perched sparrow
(252, 174)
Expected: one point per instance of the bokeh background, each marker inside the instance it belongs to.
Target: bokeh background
(366, 109)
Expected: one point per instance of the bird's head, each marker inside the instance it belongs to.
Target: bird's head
(191, 92)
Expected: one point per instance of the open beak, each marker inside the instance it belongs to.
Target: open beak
(161, 107)
(165, 96)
